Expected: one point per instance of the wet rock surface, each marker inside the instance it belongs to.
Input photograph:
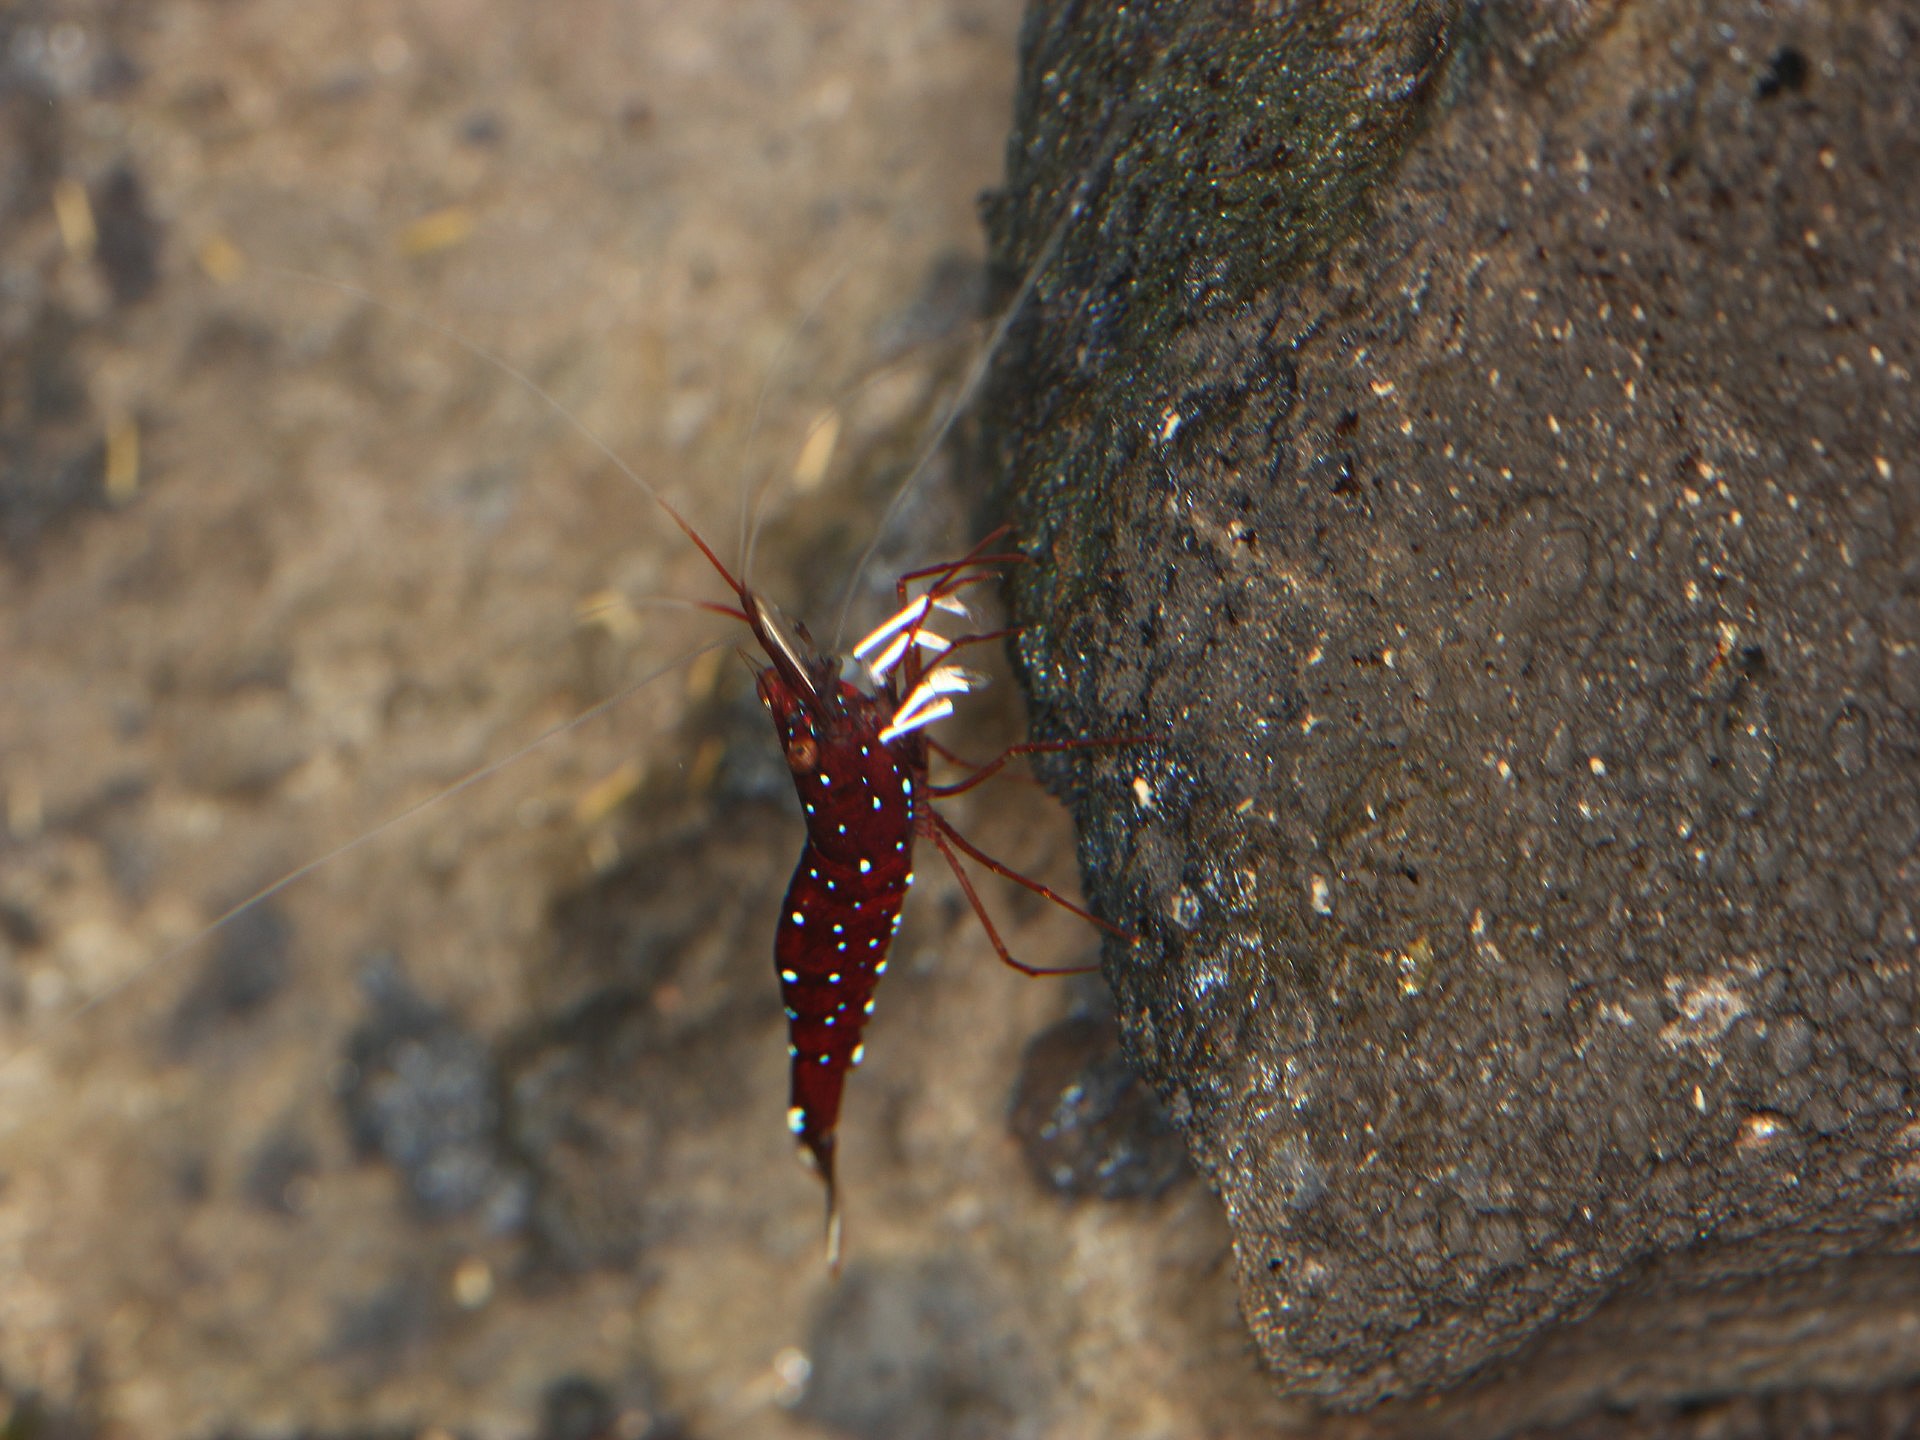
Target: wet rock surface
(1785, 1415)
(1087, 1125)
(1512, 554)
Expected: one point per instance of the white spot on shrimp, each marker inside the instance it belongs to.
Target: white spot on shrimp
(839, 929)
(790, 977)
(867, 1009)
(841, 946)
(865, 866)
(828, 1020)
(859, 1053)
(881, 968)
(876, 802)
(909, 877)
(798, 918)
(796, 1120)
(834, 978)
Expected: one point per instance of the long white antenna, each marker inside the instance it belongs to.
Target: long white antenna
(419, 807)
(1114, 130)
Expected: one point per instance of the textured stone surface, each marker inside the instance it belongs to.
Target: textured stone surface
(1478, 447)
(1086, 1124)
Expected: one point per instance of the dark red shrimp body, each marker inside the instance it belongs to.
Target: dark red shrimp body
(860, 796)
(859, 762)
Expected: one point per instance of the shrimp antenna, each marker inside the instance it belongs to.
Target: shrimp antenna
(539, 392)
(753, 497)
(267, 892)
(976, 373)
(1115, 129)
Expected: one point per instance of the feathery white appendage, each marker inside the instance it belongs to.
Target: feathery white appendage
(888, 658)
(906, 617)
(928, 702)
(925, 715)
(903, 630)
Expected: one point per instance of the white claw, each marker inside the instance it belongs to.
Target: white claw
(909, 719)
(889, 657)
(907, 616)
(889, 643)
(949, 680)
(927, 701)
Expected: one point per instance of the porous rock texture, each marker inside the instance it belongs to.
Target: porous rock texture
(1475, 448)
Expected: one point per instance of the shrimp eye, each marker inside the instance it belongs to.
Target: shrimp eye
(802, 753)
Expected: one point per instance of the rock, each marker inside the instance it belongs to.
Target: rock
(1475, 445)
(1087, 1126)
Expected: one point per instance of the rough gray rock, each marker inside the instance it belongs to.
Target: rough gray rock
(1087, 1125)
(1477, 445)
